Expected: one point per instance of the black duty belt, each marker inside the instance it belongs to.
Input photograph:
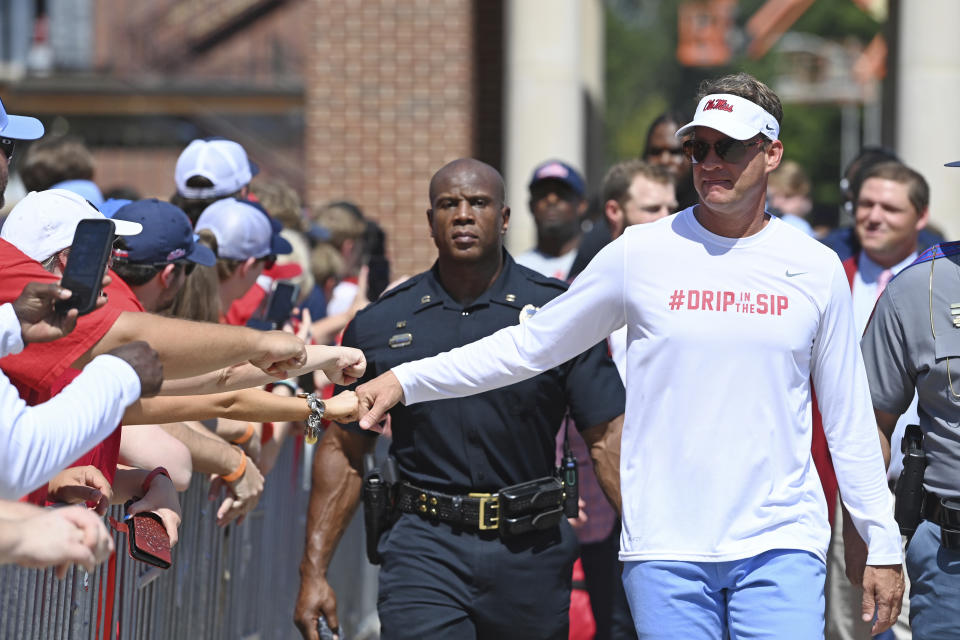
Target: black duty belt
(935, 511)
(946, 513)
(480, 511)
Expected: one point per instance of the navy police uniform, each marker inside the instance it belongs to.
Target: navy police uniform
(443, 580)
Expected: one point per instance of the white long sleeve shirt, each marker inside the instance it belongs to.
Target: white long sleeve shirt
(723, 336)
(38, 442)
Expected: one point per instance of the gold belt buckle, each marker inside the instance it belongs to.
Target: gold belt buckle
(488, 503)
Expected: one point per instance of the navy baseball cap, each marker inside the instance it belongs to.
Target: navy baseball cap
(559, 170)
(167, 235)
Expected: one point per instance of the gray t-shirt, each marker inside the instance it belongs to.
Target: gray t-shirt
(911, 343)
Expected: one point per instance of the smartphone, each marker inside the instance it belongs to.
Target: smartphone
(148, 540)
(281, 304)
(86, 265)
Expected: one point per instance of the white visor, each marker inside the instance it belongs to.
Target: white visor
(734, 116)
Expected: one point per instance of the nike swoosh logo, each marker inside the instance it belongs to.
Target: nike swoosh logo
(768, 127)
(794, 273)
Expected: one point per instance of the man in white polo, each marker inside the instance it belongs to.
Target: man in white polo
(730, 313)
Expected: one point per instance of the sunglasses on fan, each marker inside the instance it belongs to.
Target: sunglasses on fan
(728, 149)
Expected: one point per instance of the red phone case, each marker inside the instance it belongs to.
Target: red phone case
(149, 541)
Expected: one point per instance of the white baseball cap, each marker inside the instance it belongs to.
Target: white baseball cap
(243, 230)
(44, 222)
(734, 116)
(222, 162)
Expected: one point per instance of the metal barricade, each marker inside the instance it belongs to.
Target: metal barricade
(225, 583)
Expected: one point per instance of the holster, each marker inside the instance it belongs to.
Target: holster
(909, 506)
(378, 500)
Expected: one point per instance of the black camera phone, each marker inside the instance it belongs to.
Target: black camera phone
(281, 304)
(86, 265)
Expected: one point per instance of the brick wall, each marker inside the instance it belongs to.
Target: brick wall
(203, 40)
(389, 100)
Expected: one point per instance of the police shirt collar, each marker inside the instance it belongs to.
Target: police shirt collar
(437, 294)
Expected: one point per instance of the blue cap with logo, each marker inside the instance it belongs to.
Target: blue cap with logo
(167, 235)
(559, 170)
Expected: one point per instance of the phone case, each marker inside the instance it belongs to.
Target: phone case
(86, 265)
(148, 540)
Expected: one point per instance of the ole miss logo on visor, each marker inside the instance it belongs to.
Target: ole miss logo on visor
(718, 103)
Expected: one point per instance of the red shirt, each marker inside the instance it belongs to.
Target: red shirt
(244, 307)
(42, 370)
(39, 365)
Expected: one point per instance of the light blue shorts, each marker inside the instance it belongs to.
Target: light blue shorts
(777, 595)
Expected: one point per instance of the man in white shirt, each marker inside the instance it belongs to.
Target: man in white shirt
(729, 314)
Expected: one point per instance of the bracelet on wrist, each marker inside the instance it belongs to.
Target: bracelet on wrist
(246, 435)
(311, 431)
(237, 473)
(158, 471)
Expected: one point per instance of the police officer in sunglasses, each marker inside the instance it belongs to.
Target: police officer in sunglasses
(731, 316)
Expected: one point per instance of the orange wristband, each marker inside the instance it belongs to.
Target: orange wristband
(246, 435)
(238, 472)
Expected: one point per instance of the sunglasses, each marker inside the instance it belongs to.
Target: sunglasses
(655, 152)
(7, 146)
(728, 149)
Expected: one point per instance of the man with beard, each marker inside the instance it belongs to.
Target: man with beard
(558, 201)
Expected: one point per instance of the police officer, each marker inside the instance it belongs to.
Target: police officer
(913, 343)
(449, 567)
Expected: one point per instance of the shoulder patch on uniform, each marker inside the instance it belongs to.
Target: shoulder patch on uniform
(527, 312)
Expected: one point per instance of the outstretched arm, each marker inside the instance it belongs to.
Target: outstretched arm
(567, 326)
(254, 405)
(189, 348)
(341, 365)
(337, 481)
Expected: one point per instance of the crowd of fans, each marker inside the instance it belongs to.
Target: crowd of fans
(188, 297)
(185, 300)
